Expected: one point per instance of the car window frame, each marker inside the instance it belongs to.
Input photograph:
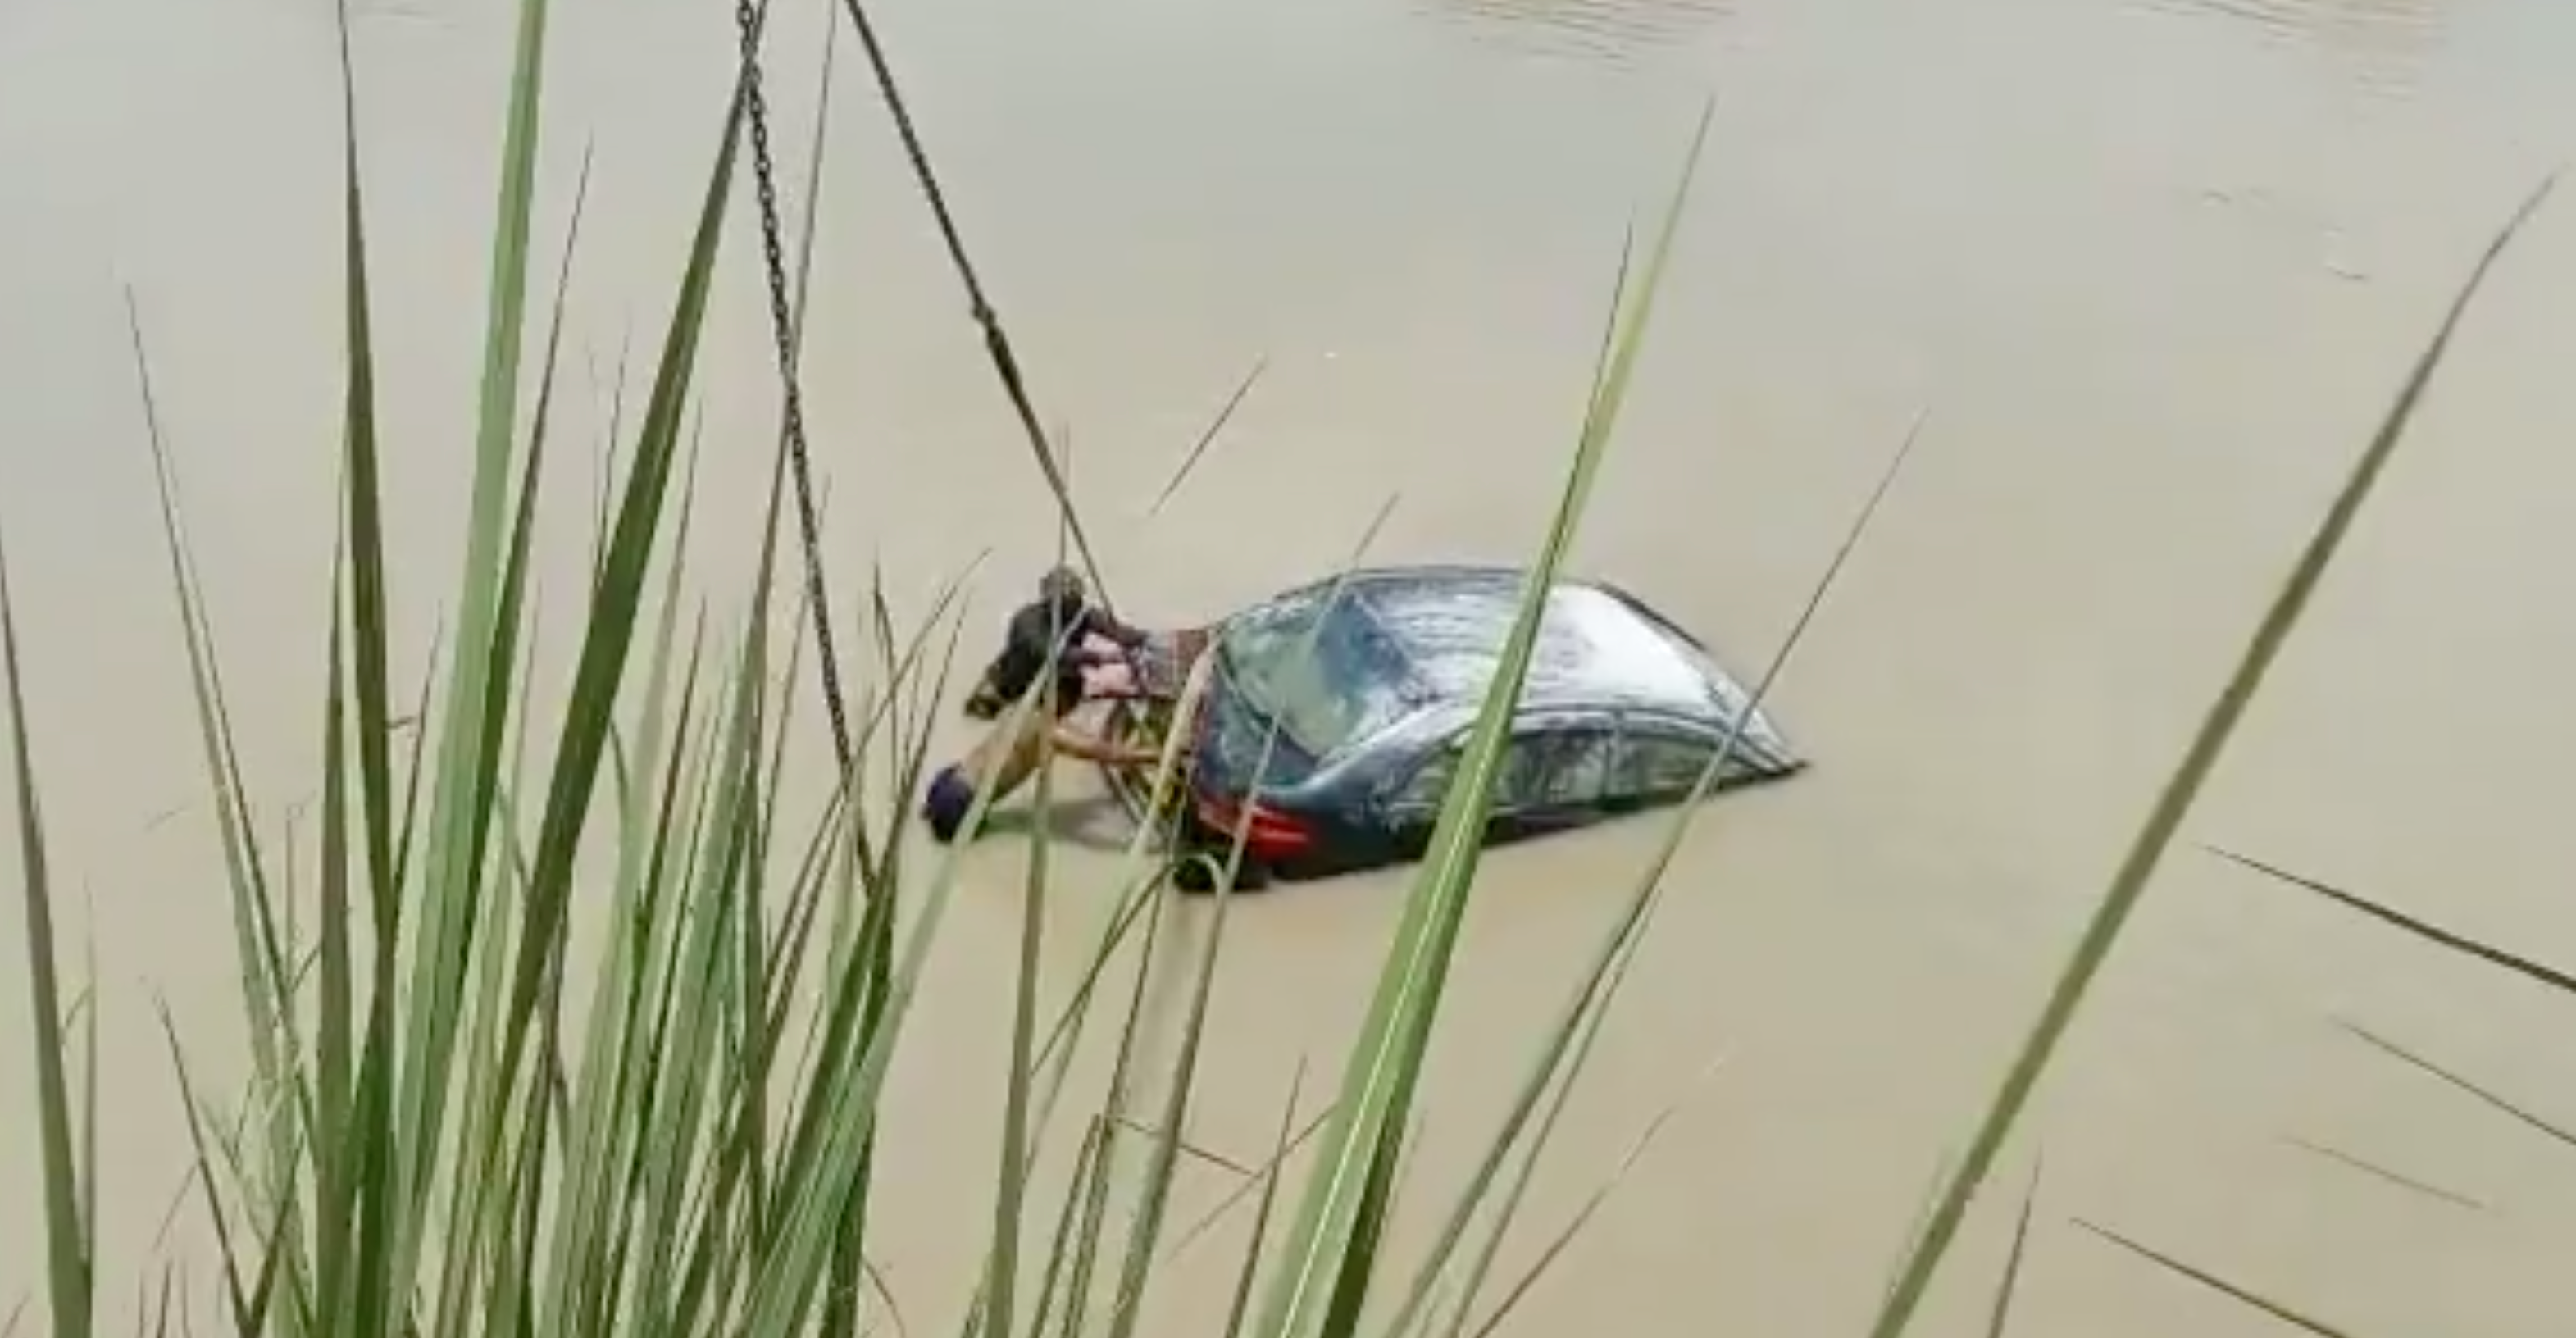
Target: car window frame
(1564, 732)
(1634, 730)
(1402, 803)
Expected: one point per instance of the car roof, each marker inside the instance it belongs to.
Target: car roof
(1598, 648)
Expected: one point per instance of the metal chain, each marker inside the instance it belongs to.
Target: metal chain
(997, 345)
(748, 17)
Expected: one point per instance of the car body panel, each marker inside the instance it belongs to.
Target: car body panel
(1620, 710)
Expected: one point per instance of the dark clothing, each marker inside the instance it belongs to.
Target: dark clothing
(950, 798)
(1023, 656)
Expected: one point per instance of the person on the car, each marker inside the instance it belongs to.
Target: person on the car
(1095, 654)
(1013, 751)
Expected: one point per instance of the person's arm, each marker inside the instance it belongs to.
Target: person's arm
(1083, 655)
(1038, 629)
(1102, 623)
(1090, 747)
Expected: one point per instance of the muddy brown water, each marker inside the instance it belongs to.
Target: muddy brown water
(2154, 266)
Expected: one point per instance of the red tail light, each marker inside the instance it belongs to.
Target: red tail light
(1270, 835)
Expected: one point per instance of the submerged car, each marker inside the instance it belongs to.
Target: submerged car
(1621, 710)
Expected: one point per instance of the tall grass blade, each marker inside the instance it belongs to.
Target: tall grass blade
(1352, 1284)
(609, 631)
(1924, 1207)
(811, 224)
(1565, 1237)
(604, 483)
(364, 522)
(2218, 1284)
(334, 1243)
(2008, 1287)
(814, 1240)
(1605, 984)
(266, 989)
(275, 1253)
(475, 1203)
(514, 1308)
(88, 1170)
(228, 1255)
(1095, 1195)
(2483, 1094)
(2422, 929)
(851, 981)
(374, 1292)
(741, 1117)
(1063, 1039)
(1250, 1270)
(1086, 1165)
(590, 1228)
(688, 1064)
(413, 771)
(160, 1309)
(995, 1305)
(1001, 1276)
(375, 1159)
(459, 825)
(806, 907)
(1257, 1180)
(1185, 1148)
(1147, 1230)
(510, 1295)
(70, 1262)
(1207, 438)
(1378, 1081)
(1056, 1055)
(2381, 1173)
(2146, 851)
(248, 882)
(597, 1139)
(1570, 1043)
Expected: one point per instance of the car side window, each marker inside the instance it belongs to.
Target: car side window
(1428, 787)
(1660, 766)
(1554, 768)
(1546, 768)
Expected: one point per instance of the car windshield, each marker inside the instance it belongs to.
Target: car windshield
(1340, 692)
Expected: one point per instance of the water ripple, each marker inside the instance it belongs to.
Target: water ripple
(2388, 41)
(1616, 32)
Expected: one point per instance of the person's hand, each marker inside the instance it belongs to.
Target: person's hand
(1152, 758)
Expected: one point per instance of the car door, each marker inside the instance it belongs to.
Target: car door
(1555, 774)
(1552, 774)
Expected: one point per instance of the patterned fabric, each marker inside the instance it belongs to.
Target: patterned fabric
(1162, 666)
(1164, 662)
